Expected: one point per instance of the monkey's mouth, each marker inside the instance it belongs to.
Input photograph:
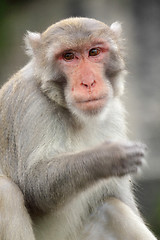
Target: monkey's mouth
(92, 103)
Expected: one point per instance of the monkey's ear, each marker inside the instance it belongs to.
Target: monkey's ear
(116, 27)
(32, 42)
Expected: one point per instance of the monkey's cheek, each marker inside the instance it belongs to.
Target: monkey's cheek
(91, 106)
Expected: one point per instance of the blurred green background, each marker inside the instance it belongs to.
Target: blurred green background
(141, 29)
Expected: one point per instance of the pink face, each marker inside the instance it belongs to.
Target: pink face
(84, 69)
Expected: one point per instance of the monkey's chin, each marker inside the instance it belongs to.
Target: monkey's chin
(91, 107)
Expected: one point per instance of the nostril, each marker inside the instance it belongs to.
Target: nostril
(84, 84)
(93, 83)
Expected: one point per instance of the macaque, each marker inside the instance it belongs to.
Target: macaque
(65, 158)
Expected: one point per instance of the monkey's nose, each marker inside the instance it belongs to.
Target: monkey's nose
(88, 84)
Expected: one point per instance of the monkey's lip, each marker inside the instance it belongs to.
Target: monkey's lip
(92, 100)
(92, 103)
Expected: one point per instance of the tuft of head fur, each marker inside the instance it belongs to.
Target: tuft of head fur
(116, 27)
(32, 42)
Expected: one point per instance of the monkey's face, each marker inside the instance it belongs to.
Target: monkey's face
(78, 62)
(87, 89)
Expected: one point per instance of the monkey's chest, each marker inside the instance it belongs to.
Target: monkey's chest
(88, 138)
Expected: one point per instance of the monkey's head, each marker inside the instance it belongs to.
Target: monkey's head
(78, 63)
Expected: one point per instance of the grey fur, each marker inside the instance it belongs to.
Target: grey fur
(65, 164)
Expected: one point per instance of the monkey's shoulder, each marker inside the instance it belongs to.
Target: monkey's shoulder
(18, 85)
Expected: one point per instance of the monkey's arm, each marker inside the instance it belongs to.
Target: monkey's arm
(50, 182)
(117, 221)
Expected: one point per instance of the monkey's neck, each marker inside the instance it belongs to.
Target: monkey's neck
(89, 133)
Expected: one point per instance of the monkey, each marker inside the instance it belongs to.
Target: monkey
(65, 158)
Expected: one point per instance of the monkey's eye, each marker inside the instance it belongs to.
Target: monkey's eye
(94, 52)
(68, 56)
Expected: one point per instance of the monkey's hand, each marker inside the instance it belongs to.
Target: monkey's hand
(122, 159)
